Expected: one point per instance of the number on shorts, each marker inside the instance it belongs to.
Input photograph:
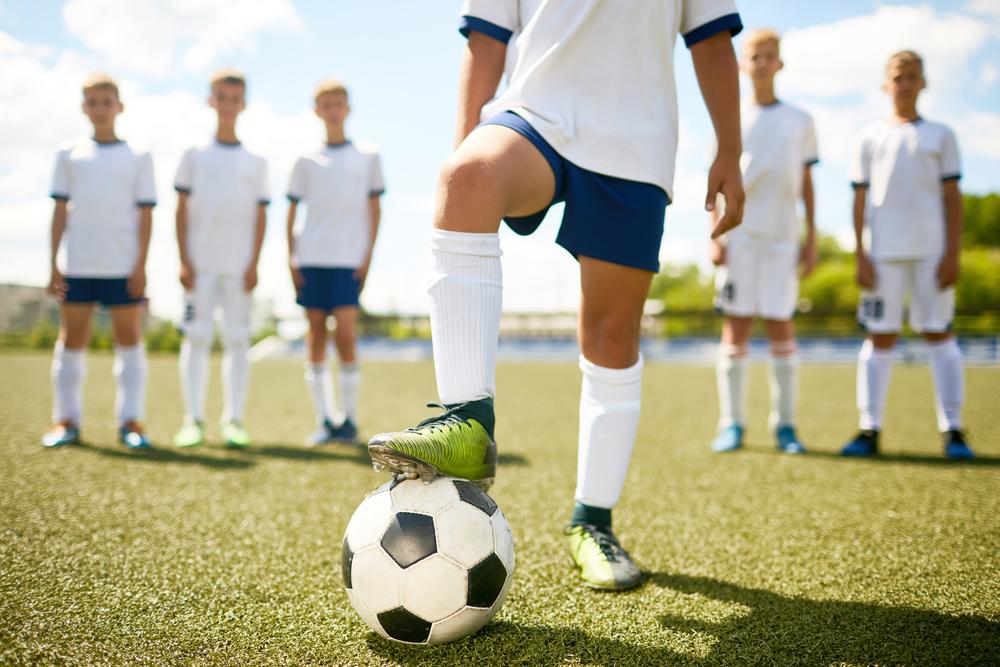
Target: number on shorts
(873, 307)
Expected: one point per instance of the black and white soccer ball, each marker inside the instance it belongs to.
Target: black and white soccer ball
(427, 563)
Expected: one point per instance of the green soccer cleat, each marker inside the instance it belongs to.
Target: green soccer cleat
(236, 436)
(602, 562)
(458, 443)
(191, 434)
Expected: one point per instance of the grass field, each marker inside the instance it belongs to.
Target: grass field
(217, 557)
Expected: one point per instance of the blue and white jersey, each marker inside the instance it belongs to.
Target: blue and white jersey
(596, 78)
(105, 184)
(903, 165)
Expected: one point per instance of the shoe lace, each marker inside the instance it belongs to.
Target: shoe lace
(605, 541)
(449, 418)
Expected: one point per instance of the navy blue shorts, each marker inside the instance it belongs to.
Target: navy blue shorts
(607, 218)
(108, 292)
(324, 288)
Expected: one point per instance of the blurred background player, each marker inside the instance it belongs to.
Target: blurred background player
(580, 121)
(905, 173)
(104, 195)
(329, 256)
(759, 261)
(222, 197)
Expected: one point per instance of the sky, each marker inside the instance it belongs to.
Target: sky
(400, 61)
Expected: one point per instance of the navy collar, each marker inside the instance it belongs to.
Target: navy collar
(227, 144)
(339, 144)
(113, 142)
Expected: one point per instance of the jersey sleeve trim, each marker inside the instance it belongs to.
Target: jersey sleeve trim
(812, 161)
(376, 193)
(263, 202)
(470, 24)
(859, 184)
(145, 204)
(951, 177)
(295, 199)
(58, 196)
(730, 22)
(183, 189)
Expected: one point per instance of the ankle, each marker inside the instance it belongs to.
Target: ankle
(588, 514)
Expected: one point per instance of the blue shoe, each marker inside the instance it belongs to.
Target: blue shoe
(729, 439)
(788, 441)
(865, 443)
(955, 446)
(61, 435)
(346, 432)
(130, 434)
(323, 435)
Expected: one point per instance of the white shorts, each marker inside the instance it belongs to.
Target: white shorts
(760, 278)
(212, 292)
(931, 308)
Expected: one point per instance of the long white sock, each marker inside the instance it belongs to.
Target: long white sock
(874, 367)
(235, 378)
(784, 380)
(130, 372)
(193, 364)
(949, 389)
(348, 387)
(466, 293)
(69, 368)
(320, 384)
(730, 376)
(609, 417)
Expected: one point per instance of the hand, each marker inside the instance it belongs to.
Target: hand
(361, 274)
(724, 177)
(807, 258)
(866, 271)
(297, 278)
(187, 276)
(57, 284)
(250, 278)
(947, 270)
(716, 252)
(136, 284)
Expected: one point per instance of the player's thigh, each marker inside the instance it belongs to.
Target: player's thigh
(199, 308)
(613, 296)
(236, 305)
(494, 173)
(126, 324)
(74, 324)
(932, 309)
(881, 309)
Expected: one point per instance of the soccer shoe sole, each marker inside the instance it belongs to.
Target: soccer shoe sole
(404, 466)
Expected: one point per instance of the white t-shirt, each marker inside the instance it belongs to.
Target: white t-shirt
(596, 79)
(225, 183)
(335, 184)
(779, 140)
(105, 184)
(903, 165)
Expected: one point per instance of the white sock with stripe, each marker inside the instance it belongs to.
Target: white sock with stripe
(730, 375)
(69, 368)
(348, 387)
(130, 373)
(193, 364)
(320, 383)
(874, 368)
(949, 389)
(783, 376)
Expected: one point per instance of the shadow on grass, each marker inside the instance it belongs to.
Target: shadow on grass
(508, 459)
(785, 630)
(349, 453)
(165, 455)
(918, 459)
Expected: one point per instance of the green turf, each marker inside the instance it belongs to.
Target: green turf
(210, 556)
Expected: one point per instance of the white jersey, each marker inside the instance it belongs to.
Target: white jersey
(779, 141)
(903, 166)
(225, 183)
(596, 80)
(105, 184)
(335, 184)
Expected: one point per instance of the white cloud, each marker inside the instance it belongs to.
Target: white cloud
(152, 36)
(989, 74)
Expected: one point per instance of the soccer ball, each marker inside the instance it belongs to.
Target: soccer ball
(427, 563)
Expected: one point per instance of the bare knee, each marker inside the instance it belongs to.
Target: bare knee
(611, 341)
(883, 341)
(470, 197)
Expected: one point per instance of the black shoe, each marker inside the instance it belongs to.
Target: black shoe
(864, 443)
(955, 446)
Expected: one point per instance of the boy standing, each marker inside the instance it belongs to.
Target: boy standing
(222, 197)
(104, 195)
(589, 117)
(329, 256)
(905, 174)
(759, 262)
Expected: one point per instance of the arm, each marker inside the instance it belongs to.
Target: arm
(947, 272)
(57, 284)
(479, 76)
(718, 78)
(293, 266)
(716, 248)
(865, 270)
(374, 217)
(187, 271)
(807, 255)
(250, 276)
(137, 281)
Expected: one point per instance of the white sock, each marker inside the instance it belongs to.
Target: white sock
(466, 292)
(784, 380)
(130, 372)
(235, 378)
(609, 417)
(348, 387)
(874, 367)
(320, 385)
(730, 375)
(193, 365)
(69, 367)
(946, 366)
